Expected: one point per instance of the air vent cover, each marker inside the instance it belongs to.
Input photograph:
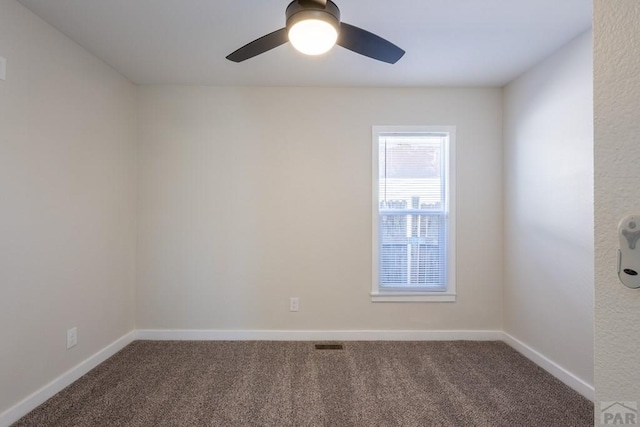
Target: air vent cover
(329, 347)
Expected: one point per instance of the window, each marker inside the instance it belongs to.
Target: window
(413, 214)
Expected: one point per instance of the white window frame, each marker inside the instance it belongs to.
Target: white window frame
(449, 293)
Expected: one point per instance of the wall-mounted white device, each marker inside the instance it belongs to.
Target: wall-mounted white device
(629, 252)
(3, 68)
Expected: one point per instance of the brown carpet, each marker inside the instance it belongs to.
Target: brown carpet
(260, 383)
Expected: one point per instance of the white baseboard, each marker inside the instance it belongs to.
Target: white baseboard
(37, 398)
(552, 367)
(292, 335)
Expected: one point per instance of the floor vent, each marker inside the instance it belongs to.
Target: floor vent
(329, 347)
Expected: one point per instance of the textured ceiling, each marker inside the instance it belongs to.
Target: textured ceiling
(448, 42)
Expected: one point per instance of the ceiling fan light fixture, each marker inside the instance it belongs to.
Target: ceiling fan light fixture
(313, 36)
(312, 28)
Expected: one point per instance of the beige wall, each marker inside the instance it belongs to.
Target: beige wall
(249, 196)
(617, 194)
(67, 204)
(548, 208)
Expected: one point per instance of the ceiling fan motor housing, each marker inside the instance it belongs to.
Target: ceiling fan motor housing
(300, 10)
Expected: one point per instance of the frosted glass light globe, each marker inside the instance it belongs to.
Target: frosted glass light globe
(313, 36)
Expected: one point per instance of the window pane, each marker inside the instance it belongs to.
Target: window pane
(411, 171)
(412, 250)
(413, 238)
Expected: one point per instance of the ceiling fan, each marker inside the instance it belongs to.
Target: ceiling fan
(313, 27)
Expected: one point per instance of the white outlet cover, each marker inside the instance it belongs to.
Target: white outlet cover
(3, 68)
(72, 337)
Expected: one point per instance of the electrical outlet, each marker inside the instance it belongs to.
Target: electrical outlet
(294, 304)
(72, 337)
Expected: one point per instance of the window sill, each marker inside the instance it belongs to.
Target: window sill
(412, 297)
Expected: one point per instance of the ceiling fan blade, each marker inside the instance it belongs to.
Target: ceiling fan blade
(368, 44)
(261, 45)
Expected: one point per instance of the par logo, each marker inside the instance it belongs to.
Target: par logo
(619, 413)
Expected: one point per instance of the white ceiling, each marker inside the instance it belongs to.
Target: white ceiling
(448, 42)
